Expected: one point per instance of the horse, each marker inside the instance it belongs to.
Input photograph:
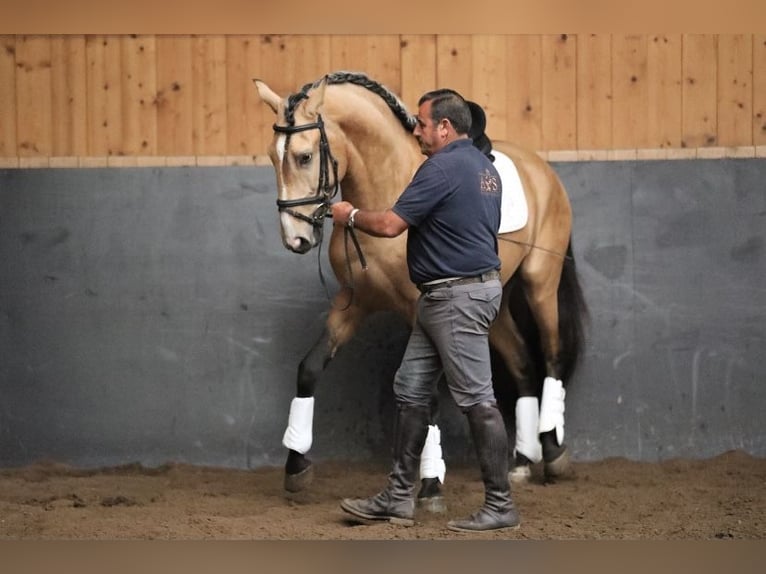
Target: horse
(347, 133)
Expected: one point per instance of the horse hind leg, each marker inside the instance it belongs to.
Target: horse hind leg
(516, 366)
(543, 302)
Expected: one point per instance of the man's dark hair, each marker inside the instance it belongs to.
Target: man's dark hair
(446, 103)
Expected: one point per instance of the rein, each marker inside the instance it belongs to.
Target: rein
(326, 192)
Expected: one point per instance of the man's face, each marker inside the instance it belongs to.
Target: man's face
(431, 136)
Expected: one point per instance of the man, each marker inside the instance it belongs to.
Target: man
(452, 211)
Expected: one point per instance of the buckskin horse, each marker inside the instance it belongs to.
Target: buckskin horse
(346, 132)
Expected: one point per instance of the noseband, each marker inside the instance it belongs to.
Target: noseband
(325, 191)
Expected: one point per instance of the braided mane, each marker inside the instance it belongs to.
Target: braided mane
(359, 79)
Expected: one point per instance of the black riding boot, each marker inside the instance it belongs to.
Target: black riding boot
(397, 503)
(491, 443)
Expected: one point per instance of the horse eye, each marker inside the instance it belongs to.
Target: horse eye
(304, 159)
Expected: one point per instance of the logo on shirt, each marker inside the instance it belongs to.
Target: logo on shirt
(488, 182)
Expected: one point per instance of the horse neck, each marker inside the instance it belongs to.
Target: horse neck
(381, 157)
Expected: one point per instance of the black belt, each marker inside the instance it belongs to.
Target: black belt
(488, 276)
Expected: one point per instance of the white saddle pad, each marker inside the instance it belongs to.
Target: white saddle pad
(514, 212)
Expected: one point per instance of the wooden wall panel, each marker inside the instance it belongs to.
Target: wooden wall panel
(594, 91)
(735, 89)
(699, 90)
(33, 95)
(524, 91)
(377, 56)
(664, 71)
(104, 93)
(759, 90)
(245, 114)
(418, 68)
(139, 90)
(454, 63)
(174, 96)
(488, 88)
(630, 89)
(209, 95)
(559, 56)
(69, 94)
(286, 64)
(8, 142)
(79, 96)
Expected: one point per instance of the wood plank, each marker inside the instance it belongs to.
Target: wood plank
(594, 91)
(33, 95)
(559, 56)
(454, 62)
(8, 142)
(630, 89)
(418, 55)
(244, 116)
(69, 93)
(384, 62)
(488, 87)
(376, 56)
(759, 90)
(174, 96)
(735, 89)
(209, 95)
(700, 64)
(524, 90)
(287, 63)
(139, 89)
(104, 91)
(310, 56)
(270, 58)
(664, 69)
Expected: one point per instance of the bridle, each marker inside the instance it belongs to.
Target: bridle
(325, 190)
(325, 193)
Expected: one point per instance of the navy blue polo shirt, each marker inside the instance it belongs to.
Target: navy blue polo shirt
(452, 207)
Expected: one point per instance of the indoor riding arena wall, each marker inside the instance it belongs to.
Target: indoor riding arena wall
(149, 312)
(152, 314)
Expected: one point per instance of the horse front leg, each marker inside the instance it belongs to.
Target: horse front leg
(298, 436)
(341, 324)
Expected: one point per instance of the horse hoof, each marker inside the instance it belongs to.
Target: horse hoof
(433, 504)
(430, 496)
(559, 466)
(520, 474)
(299, 481)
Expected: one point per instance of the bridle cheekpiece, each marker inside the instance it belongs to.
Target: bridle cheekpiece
(326, 191)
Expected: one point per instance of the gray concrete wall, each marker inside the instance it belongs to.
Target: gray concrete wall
(152, 315)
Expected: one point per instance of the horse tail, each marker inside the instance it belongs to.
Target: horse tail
(573, 315)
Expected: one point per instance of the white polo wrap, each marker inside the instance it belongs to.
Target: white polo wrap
(431, 461)
(298, 435)
(527, 425)
(552, 408)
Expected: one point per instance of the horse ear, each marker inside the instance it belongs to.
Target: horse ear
(268, 96)
(316, 99)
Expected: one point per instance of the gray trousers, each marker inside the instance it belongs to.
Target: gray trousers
(450, 336)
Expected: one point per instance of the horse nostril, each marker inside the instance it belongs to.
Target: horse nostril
(304, 245)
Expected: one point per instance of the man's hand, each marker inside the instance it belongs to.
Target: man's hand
(341, 212)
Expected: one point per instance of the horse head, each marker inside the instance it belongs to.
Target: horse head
(306, 170)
